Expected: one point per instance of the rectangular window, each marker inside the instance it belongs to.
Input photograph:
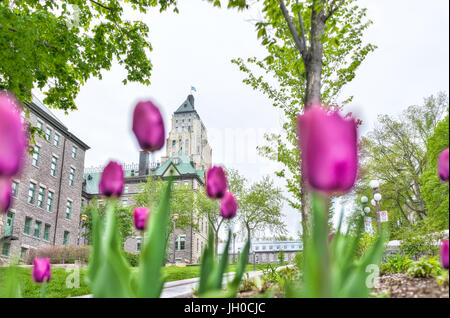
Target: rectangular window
(56, 140)
(41, 194)
(68, 209)
(39, 125)
(66, 238)
(181, 242)
(174, 143)
(9, 224)
(37, 229)
(125, 189)
(50, 201)
(15, 189)
(23, 252)
(48, 134)
(27, 227)
(53, 166)
(35, 157)
(74, 152)
(46, 232)
(5, 249)
(31, 191)
(138, 245)
(124, 202)
(72, 177)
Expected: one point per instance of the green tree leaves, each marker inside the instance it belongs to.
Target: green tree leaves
(56, 46)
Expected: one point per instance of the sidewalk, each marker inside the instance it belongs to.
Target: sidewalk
(184, 288)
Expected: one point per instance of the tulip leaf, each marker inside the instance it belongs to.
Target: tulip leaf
(153, 252)
(96, 250)
(207, 264)
(217, 275)
(240, 270)
(113, 276)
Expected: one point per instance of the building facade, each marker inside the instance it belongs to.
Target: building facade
(47, 194)
(188, 155)
(265, 251)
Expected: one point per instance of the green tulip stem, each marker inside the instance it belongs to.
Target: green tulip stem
(43, 289)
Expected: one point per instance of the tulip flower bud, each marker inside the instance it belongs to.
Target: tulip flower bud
(148, 126)
(444, 254)
(112, 180)
(216, 182)
(140, 216)
(328, 144)
(330, 237)
(228, 206)
(13, 137)
(41, 270)
(5, 194)
(443, 165)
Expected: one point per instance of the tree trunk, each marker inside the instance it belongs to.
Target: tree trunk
(313, 62)
(313, 67)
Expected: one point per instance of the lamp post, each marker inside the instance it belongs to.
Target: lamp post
(374, 184)
(234, 250)
(175, 219)
(83, 219)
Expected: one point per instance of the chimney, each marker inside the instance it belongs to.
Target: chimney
(191, 99)
(143, 163)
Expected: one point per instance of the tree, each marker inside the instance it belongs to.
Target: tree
(181, 202)
(395, 153)
(211, 209)
(124, 220)
(435, 192)
(56, 46)
(314, 48)
(260, 208)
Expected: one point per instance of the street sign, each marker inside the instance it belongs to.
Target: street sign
(383, 216)
(368, 224)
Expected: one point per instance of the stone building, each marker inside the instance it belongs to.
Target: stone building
(47, 194)
(188, 154)
(265, 251)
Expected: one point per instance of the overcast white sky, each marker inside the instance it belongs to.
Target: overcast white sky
(195, 48)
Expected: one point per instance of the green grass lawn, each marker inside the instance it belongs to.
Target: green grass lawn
(57, 286)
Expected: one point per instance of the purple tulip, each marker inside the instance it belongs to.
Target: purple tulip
(5, 194)
(443, 165)
(112, 180)
(216, 182)
(228, 206)
(328, 144)
(13, 137)
(41, 270)
(148, 126)
(444, 254)
(140, 217)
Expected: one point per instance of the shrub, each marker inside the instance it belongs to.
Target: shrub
(60, 254)
(133, 259)
(365, 243)
(417, 243)
(396, 264)
(425, 267)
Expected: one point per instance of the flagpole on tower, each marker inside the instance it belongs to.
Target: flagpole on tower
(193, 89)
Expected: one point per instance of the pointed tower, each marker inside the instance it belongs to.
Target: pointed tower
(188, 136)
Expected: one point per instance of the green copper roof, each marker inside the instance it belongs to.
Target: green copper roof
(187, 106)
(184, 166)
